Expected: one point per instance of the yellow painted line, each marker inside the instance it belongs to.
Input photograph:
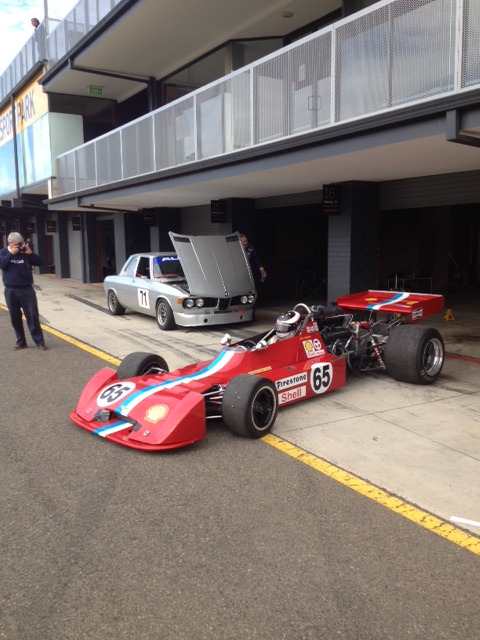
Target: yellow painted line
(419, 517)
(77, 343)
(82, 345)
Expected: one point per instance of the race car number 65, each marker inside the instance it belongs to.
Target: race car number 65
(114, 393)
(321, 376)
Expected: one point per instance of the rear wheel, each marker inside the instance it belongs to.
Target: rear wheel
(249, 406)
(414, 354)
(114, 306)
(141, 364)
(164, 315)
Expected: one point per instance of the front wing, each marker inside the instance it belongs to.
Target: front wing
(164, 419)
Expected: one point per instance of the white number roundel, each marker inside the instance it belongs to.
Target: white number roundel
(114, 393)
(321, 376)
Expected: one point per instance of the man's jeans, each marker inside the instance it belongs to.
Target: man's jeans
(18, 298)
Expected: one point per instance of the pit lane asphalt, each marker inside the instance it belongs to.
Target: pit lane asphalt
(229, 538)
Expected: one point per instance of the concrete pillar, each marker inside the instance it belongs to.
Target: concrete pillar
(352, 241)
(90, 247)
(62, 262)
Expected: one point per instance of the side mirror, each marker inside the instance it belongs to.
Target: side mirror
(226, 340)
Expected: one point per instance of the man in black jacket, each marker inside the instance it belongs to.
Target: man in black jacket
(16, 262)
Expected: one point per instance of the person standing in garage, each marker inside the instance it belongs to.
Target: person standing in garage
(255, 264)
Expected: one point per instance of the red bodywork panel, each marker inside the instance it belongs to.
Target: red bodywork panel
(415, 305)
(168, 410)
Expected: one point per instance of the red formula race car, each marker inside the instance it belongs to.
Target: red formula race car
(306, 353)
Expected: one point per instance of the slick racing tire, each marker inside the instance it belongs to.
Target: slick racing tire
(114, 306)
(249, 406)
(164, 315)
(141, 364)
(414, 354)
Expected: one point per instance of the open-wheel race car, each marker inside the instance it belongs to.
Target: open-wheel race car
(305, 354)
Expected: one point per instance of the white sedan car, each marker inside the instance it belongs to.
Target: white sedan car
(206, 281)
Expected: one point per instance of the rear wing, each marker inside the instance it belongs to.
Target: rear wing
(414, 305)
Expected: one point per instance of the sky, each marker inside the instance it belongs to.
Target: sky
(15, 25)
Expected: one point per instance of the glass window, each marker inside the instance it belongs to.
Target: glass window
(167, 265)
(130, 267)
(216, 65)
(193, 77)
(245, 52)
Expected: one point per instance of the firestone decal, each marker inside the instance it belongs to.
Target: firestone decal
(114, 393)
(291, 381)
(313, 348)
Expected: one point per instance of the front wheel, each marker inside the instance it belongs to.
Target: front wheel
(414, 354)
(164, 315)
(249, 406)
(141, 364)
(114, 306)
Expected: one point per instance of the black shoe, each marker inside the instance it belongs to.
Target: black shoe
(19, 346)
(41, 347)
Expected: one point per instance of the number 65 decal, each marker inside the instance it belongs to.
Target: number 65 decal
(114, 393)
(321, 376)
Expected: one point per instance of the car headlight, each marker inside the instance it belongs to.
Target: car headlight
(244, 299)
(200, 302)
(251, 299)
(189, 303)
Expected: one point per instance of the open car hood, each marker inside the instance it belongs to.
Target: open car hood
(214, 266)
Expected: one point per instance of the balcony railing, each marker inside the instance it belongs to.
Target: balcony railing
(395, 54)
(55, 42)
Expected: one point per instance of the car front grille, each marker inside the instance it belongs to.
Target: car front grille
(223, 304)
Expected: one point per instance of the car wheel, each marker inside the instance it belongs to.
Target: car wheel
(141, 364)
(414, 354)
(249, 406)
(114, 306)
(164, 315)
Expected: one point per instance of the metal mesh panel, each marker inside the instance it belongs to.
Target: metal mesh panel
(81, 19)
(310, 82)
(362, 65)
(175, 135)
(270, 99)
(210, 121)
(164, 139)
(238, 123)
(471, 44)
(109, 158)
(423, 49)
(223, 116)
(66, 174)
(137, 143)
(394, 55)
(33, 51)
(85, 165)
